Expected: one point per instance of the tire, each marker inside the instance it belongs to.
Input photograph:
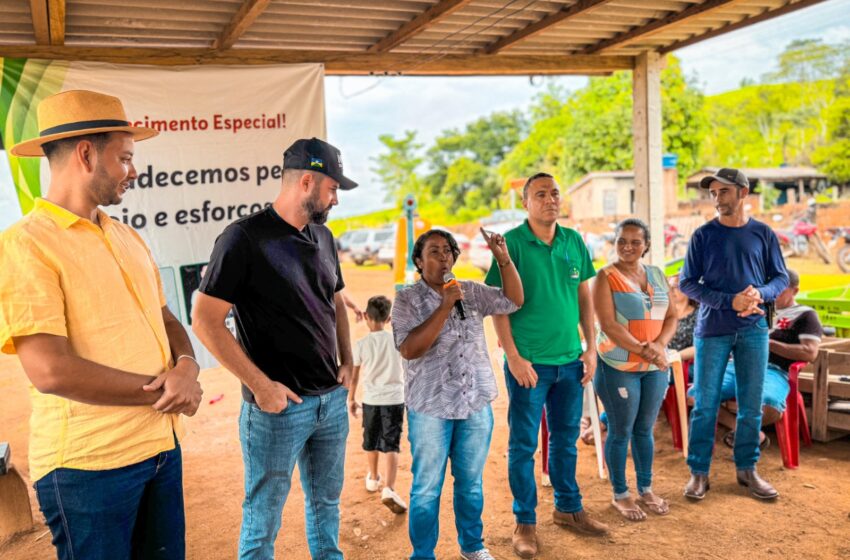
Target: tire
(359, 262)
(843, 258)
(820, 249)
(679, 249)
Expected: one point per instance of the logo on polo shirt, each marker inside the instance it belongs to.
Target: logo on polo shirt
(317, 162)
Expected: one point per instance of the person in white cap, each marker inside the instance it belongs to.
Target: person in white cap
(111, 368)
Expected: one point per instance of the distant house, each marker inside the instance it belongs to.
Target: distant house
(612, 193)
(793, 183)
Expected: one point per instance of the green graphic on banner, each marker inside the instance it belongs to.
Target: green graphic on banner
(23, 84)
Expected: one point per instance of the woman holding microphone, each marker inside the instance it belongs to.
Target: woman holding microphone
(449, 385)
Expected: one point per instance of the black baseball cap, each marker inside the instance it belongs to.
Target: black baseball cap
(317, 155)
(727, 176)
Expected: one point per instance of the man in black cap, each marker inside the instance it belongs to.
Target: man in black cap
(278, 269)
(733, 267)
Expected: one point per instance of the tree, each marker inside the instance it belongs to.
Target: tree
(833, 158)
(463, 164)
(592, 131)
(396, 169)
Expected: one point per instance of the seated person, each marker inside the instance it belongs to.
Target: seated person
(794, 337)
(686, 312)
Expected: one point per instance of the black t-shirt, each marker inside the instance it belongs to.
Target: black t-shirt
(281, 283)
(790, 326)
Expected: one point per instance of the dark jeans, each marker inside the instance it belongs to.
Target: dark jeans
(132, 512)
(559, 389)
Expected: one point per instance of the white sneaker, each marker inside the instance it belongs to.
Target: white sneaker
(544, 481)
(373, 485)
(482, 554)
(392, 500)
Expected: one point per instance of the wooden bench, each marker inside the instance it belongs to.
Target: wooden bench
(823, 381)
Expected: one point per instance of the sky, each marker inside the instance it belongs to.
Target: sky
(360, 109)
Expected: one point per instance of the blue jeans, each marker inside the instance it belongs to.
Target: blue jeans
(632, 401)
(749, 348)
(130, 512)
(312, 433)
(559, 389)
(433, 441)
(775, 390)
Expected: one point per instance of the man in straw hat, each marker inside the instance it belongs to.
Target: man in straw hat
(111, 368)
(279, 271)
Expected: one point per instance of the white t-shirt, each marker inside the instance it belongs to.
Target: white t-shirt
(380, 369)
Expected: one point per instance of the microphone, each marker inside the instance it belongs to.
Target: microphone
(448, 280)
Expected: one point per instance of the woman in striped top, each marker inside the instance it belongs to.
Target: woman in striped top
(636, 322)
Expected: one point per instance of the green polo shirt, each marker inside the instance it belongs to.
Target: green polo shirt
(545, 329)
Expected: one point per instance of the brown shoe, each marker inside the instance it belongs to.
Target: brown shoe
(525, 540)
(697, 486)
(579, 522)
(759, 487)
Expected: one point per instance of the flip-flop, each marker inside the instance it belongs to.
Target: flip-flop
(658, 508)
(624, 511)
(729, 441)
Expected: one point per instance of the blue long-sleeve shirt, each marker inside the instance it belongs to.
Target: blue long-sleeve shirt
(721, 262)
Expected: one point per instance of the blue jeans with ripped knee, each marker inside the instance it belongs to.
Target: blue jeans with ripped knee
(632, 401)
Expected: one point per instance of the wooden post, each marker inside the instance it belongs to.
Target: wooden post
(820, 396)
(646, 117)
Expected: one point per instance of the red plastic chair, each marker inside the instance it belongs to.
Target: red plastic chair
(544, 443)
(671, 410)
(793, 422)
(789, 427)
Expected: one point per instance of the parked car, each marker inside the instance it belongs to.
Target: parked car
(479, 252)
(386, 253)
(343, 242)
(365, 244)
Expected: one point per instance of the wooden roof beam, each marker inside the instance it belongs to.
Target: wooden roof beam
(418, 24)
(56, 16)
(40, 22)
(746, 22)
(242, 20)
(48, 21)
(577, 8)
(653, 27)
(338, 63)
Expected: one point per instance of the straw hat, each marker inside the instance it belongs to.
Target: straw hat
(76, 113)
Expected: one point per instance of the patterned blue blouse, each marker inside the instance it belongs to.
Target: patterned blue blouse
(454, 378)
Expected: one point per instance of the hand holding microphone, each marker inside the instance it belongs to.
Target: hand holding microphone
(453, 294)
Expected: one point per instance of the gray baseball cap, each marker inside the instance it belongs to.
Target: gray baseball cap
(727, 176)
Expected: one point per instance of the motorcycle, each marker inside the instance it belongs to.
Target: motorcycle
(803, 236)
(675, 243)
(843, 255)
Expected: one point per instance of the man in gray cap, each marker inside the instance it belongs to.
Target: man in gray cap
(279, 272)
(733, 268)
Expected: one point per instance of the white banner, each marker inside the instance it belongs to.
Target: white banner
(218, 156)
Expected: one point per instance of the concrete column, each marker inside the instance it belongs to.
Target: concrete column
(649, 186)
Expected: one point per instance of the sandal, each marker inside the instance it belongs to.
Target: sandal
(630, 513)
(729, 440)
(659, 506)
(586, 431)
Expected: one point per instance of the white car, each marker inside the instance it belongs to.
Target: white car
(479, 252)
(364, 244)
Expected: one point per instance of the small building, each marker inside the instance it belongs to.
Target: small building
(612, 193)
(793, 183)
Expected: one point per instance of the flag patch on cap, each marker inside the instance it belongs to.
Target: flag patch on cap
(317, 162)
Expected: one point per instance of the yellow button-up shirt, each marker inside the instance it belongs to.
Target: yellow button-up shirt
(63, 275)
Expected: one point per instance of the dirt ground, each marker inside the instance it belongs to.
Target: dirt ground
(810, 520)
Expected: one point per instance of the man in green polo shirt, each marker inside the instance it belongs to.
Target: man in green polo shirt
(544, 360)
